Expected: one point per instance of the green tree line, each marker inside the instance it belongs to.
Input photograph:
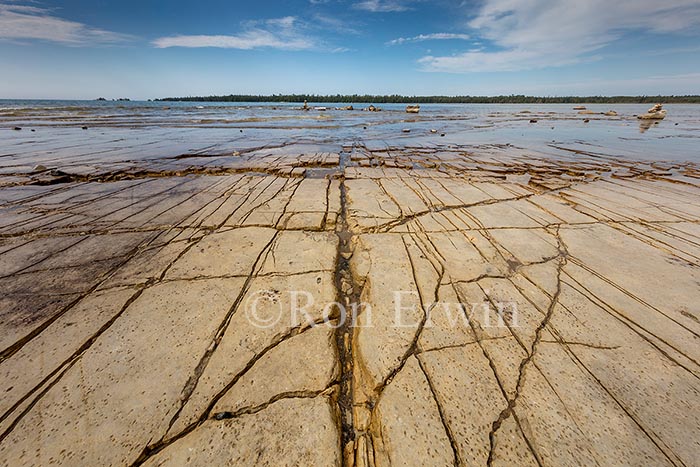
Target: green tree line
(398, 99)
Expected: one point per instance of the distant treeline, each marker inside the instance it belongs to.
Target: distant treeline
(397, 99)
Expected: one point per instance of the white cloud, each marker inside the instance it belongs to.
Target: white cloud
(381, 6)
(280, 33)
(543, 33)
(337, 25)
(24, 22)
(429, 37)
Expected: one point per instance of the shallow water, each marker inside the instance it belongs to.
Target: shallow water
(258, 124)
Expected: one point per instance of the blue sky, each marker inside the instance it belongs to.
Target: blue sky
(147, 49)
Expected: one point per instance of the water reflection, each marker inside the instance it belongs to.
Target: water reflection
(644, 125)
(183, 127)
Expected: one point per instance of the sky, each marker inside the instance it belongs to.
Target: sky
(140, 49)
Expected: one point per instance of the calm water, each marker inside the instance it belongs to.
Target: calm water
(675, 138)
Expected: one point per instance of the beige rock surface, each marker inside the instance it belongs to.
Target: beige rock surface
(186, 314)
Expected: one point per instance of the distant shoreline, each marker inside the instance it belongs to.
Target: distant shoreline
(397, 99)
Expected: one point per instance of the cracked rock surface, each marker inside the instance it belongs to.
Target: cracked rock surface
(127, 336)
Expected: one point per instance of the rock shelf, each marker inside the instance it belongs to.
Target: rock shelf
(127, 337)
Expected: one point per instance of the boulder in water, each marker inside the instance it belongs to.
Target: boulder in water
(655, 113)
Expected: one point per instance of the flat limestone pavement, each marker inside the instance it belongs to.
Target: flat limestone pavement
(514, 309)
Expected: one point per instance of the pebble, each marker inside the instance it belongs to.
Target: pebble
(442, 134)
(433, 131)
(586, 120)
(406, 130)
(39, 168)
(533, 121)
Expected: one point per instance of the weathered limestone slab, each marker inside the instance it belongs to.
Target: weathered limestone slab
(289, 432)
(261, 320)
(126, 386)
(514, 307)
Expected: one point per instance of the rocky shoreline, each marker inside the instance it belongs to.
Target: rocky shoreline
(128, 338)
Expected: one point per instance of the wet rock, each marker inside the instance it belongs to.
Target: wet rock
(580, 107)
(417, 387)
(586, 120)
(406, 130)
(610, 113)
(17, 128)
(586, 112)
(412, 109)
(655, 113)
(85, 128)
(433, 131)
(39, 168)
(372, 108)
(532, 120)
